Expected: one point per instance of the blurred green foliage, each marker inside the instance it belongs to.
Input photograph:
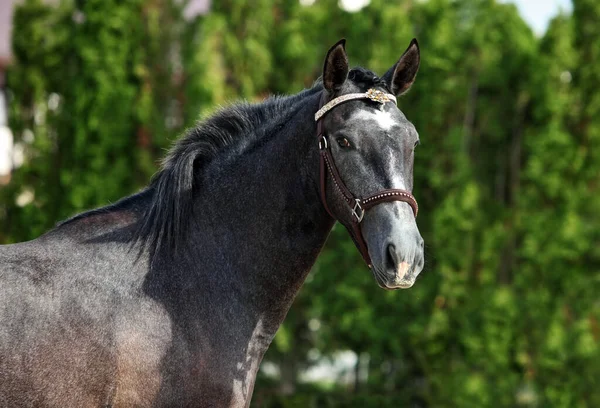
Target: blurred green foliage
(507, 311)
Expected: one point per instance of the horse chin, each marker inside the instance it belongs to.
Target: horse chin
(400, 285)
(395, 283)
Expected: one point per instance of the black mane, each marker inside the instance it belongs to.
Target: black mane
(170, 192)
(166, 220)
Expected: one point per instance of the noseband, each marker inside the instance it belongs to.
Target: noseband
(358, 206)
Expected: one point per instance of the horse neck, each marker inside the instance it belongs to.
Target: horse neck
(262, 213)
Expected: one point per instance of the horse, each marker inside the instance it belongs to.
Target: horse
(170, 297)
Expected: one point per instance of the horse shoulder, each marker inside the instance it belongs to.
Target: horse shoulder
(142, 339)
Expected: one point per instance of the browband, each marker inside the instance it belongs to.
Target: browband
(372, 94)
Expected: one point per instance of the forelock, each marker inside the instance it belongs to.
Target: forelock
(363, 78)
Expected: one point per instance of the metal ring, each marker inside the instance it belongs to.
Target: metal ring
(322, 142)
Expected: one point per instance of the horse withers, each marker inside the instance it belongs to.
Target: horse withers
(170, 297)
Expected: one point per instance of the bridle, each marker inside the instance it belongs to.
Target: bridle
(358, 206)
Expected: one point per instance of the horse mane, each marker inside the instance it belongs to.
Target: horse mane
(166, 220)
(170, 194)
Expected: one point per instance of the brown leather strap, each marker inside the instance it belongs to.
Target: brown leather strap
(324, 185)
(357, 206)
(327, 158)
(359, 241)
(391, 195)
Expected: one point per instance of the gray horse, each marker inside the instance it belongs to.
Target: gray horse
(170, 297)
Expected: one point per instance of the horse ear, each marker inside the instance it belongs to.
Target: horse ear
(335, 70)
(401, 76)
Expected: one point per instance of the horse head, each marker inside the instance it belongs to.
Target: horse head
(367, 152)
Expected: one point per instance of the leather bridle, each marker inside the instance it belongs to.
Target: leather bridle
(358, 206)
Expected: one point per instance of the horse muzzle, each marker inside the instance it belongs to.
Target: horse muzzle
(395, 246)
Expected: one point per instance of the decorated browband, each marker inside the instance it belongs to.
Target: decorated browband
(372, 94)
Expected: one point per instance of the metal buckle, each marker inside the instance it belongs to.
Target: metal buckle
(358, 211)
(322, 142)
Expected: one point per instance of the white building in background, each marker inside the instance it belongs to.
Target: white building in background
(6, 141)
(6, 136)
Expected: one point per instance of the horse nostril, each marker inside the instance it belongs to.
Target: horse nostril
(391, 257)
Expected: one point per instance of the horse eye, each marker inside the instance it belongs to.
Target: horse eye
(416, 144)
(343, 142)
